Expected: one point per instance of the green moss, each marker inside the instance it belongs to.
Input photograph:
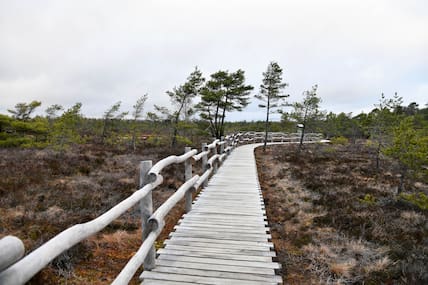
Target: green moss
(156, 141)
(368, 199)
(159, 244)
(419, 199)
(14, 141)
(329, 150)
(302, 240)
(183, 140)
(339, 140)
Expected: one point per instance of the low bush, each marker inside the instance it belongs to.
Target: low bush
(418, 199)
(339, 140)
(368, 199)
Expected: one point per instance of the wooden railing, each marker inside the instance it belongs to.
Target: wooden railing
(14, 270)
(259, 137)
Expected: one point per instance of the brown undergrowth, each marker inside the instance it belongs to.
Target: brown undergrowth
(43, 192)
(336, 220)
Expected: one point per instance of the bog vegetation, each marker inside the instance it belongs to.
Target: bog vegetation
(336, 220)
(59, 167)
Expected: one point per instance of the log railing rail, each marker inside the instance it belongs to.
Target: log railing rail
(17, 270)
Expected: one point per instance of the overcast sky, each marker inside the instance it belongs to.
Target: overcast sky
(100, 52)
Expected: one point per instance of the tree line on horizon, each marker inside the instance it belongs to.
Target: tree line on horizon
(392, 129)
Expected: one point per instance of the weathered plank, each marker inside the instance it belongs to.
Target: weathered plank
(165, 282)
(219, 255)
(199, 279)
(227, 205)
(236, 217)
(228, 209)
(218, 261)
(218, 267)
(220, 244)
(227, 221)
(220, 236)
(205, 228)
(205, 223)
(234, 251)
(191, 230)
(219, 274)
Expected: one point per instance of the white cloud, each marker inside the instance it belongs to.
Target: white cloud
(419, 95)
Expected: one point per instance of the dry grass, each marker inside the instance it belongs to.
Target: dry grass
(323, 229)
(44, 192)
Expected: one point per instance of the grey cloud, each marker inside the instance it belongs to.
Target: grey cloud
(100, 52)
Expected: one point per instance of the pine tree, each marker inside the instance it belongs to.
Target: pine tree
(307, 111)
(385, 116)
(65, 129)
(52, 114)
(23, 111)
(136, 114)
(224, 92)
(409, 148)
(181, 97)
(109, 116)
(270, 93)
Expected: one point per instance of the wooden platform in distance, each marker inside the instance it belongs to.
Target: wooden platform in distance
(225, 238)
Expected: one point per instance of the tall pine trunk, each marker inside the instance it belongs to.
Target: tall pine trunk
(302, 137)
(104, 133)
(174, 134)
(217, 121)
(378, 149)
(175, 130)
(267, 124)
(134, 138)
(303, 130)
(403, 172)
(222, 118)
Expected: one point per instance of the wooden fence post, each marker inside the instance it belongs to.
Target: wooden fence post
(12, 250)
(187, 176)
(222, 145)
(215, 166)
(204, 162)
(146, 208)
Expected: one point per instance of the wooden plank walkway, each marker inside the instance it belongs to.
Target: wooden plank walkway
(224, 239)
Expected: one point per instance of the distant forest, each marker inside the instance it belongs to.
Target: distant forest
(64, 127)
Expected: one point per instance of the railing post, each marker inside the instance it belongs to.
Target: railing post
(187, 176)
(204, 162)
(215, 166)
(146, 208)
(12, 249)
(222, 145)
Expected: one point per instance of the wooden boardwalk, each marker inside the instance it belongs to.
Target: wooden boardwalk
(224, 239)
